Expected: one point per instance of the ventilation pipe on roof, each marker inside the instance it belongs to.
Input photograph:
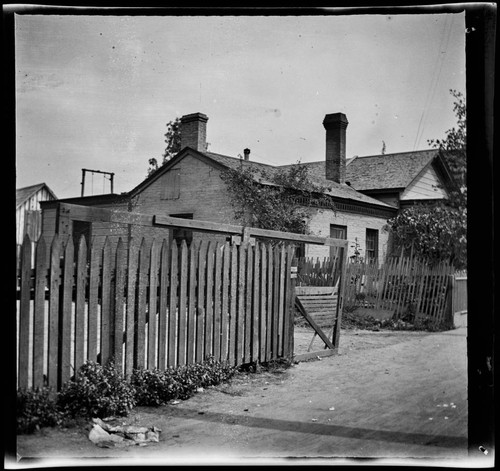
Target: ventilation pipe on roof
(335, 125)
(246, 153)
(193, 130)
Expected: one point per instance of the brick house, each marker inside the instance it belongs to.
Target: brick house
(189, 186)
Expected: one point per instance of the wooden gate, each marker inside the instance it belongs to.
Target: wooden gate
(319, 298)
(150, 303)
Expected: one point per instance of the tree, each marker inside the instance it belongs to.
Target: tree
(279, 199)
(439, 232)
(436, 233)
(173, 142)
(453, 146)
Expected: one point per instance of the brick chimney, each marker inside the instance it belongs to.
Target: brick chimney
(194, 131)
(335, 125)
(246, 153)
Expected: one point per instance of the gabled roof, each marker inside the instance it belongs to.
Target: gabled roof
(24, 194)
(220, 161)
(388, 171)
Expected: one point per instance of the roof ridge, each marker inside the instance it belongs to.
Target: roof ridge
(238, 159)
(31, 186)
(396, 153)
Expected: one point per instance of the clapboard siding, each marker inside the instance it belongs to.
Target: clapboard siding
(49, 221)
(427, 186)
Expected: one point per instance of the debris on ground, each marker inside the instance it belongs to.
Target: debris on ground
(105, 435)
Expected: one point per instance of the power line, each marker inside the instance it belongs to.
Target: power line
(441, 56)
(431, 87)
(427, 98)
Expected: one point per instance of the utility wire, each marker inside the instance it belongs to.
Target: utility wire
(441, 56)
(431, 87)
(434, 72)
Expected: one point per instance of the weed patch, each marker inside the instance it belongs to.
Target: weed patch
(352, 321)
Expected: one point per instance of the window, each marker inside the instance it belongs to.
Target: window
(337, 232)
(371, 245)
(172, 188)
(300, 250)
(180, 233)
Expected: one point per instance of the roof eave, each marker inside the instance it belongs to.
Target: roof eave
(87, 200)
(375, 191)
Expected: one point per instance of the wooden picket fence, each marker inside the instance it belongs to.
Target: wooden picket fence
(149, 305)
(318, 271)
(403, 287)
(458, 308)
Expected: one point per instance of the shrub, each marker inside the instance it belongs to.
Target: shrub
(157, 387)
(102, 391)
(153, 387)
(97, 391)
(36, 408)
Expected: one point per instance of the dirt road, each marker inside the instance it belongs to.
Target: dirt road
(387, 395)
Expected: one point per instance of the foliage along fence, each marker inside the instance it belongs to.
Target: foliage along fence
(405, 287)
(149, 306)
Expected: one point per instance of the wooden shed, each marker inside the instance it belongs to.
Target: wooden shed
(28, 211)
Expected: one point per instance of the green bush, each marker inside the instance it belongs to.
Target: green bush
(157, 387)
(36, 408)
(97, 391)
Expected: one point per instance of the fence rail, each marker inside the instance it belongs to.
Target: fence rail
(149, 306)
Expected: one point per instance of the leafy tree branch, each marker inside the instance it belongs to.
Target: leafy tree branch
(439, 231)
(278, 199)
(173, 145)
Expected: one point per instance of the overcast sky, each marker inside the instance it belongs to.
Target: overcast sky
(96, 92)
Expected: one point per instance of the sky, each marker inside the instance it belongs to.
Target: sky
(96, 92)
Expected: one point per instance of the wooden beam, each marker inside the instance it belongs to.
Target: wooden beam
(92, 214)
(313, 355)
(315, 290)
(209, 226)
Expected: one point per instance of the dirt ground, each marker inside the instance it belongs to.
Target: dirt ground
(390, 395)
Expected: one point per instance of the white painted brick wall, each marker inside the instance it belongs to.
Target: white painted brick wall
(356, 227)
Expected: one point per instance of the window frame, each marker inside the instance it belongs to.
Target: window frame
(371, 236)
(343, 229)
